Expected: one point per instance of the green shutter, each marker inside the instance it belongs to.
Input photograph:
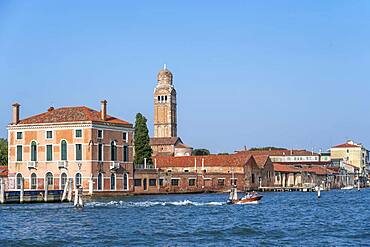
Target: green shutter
(19, 153)
(49, 152)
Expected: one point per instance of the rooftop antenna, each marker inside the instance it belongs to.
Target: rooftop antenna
(164, 66)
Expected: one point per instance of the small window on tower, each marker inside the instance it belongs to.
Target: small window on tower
(162, 98)
(159, 98)
(165, 98)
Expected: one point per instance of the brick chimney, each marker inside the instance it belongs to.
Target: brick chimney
(15, 118)
(103, 110)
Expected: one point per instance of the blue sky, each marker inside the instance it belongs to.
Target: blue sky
(254, 73)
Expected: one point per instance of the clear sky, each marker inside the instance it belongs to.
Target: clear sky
(255, 73)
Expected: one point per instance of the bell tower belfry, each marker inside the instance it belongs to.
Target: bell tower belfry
(165, 119)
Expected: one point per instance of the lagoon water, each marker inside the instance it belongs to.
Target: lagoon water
(338, 218)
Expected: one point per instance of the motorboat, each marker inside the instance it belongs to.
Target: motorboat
(347, 188)
(249, 198)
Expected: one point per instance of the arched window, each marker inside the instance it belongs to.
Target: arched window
(33, 151)
(49, 179)
(113, 181)
(33, 181)
(19, 181)
(63, 180)
(63, 150)
(113, 151)
(125, 181)
(100, 181)
(78, 180)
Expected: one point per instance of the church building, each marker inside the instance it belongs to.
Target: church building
(165, 141)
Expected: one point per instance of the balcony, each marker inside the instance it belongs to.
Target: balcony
(114, 165)
(63, 164)
(32, 164)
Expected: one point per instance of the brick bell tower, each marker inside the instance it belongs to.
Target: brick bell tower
(165, 119)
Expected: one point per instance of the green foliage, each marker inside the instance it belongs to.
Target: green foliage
(266, 148)
(142, 141)
(223, 153)
(3, 152)
(200, 151)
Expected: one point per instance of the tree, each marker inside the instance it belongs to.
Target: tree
(266, 148)
(223, 153)
(3, 152)
(200, 152)
(142, 141)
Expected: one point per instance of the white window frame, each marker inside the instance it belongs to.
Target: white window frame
(115, 182)
(82, 152)
(31, 181)
(82, 134)
(46, 152)
(125, 132)
(16, 135)
(102, 154)
(16, 153)
(75, 180)
(97, 182)
(46, 134)
(127, 182)
(60, 180)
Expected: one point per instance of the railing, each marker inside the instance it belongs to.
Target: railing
(62, 164)
(114, 165)
(32, 164)
(143, 166)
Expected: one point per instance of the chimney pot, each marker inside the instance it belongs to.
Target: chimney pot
(15, 119)
(103, 110)
(51, 108)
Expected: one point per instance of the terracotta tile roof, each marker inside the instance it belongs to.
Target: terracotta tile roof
(347, 145)
(284, 168)
(209, 160)
(165, 140)
(3, 171)
(261, 160)
(182, 145)
(319, 170)
(71, 114)
(281, 152)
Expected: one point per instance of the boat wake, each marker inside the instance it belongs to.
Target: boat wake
(125, 204)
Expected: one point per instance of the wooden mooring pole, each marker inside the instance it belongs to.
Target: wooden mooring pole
(21, 194)
(2, 191)
(46, 191)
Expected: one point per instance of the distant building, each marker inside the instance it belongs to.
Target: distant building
(91, 147)
(165, 141)
(351, 153)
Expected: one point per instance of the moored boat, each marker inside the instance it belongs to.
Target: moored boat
(347, 188)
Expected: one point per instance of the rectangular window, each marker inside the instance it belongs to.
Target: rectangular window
(19, 153)
(152, 182)
(221, 182)
(161, 182)
(49, 134)
(124, 136)
(78, 134)
(78, 151)
(100, 134)
(49, 152)
(100, 152)
(191, 181)
(125, 153)
(175, 182)
(19, 135)
(137, 182)
(186, 170)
